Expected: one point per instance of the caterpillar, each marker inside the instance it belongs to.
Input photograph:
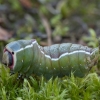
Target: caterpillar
(28, 57)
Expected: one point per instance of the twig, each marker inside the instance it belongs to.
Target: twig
(47, 27)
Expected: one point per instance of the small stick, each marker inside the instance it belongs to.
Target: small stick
(47, 27)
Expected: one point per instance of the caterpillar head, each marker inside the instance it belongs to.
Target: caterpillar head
(14, 54)
(7, 58)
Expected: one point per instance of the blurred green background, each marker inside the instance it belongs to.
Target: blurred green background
(50, 21)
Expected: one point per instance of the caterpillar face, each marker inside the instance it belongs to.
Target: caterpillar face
(7, 58)
(9, 55)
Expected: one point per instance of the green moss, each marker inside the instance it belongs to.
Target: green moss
(66, 88)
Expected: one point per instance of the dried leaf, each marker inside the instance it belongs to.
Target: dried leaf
(4, 34)
(26, 3)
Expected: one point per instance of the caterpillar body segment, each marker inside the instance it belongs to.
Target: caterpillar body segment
(28, 57)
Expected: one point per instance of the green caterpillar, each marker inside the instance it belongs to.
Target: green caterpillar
(27, 57)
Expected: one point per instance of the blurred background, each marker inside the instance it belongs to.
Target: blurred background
(50, 21)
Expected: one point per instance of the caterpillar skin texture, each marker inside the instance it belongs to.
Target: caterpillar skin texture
(27, 57)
